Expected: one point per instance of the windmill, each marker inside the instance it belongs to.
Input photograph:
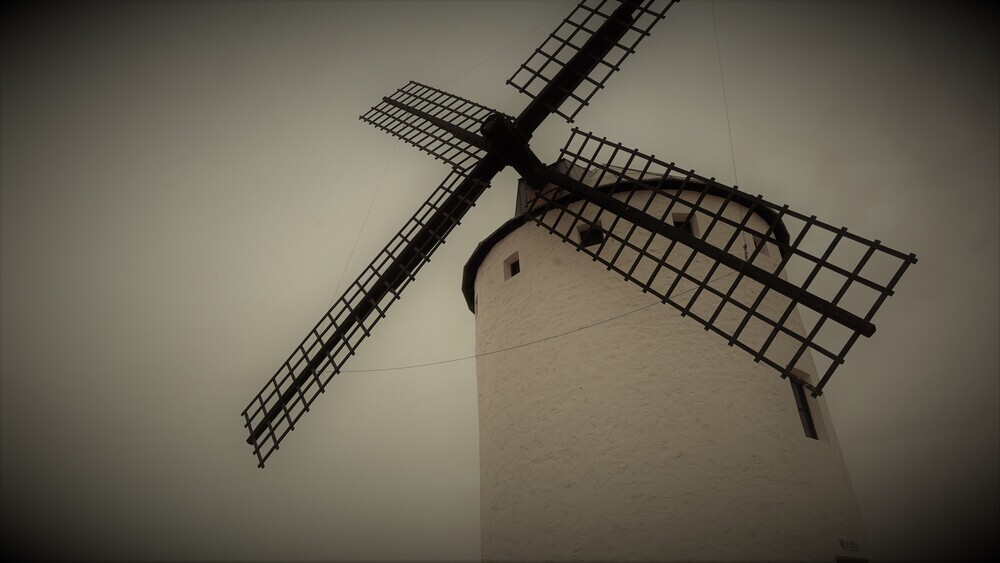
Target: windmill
(674, 244)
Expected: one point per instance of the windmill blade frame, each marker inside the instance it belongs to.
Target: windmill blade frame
(434, 121)
(640, 247)
(575, 56)
(290, 392)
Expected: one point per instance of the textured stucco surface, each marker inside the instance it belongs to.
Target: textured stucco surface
(643, 437)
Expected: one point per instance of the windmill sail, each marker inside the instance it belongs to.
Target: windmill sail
(576, 60)
(286, 396)
(706, 276)
(441, 124)
(713, 261)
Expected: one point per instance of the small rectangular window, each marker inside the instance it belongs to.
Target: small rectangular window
(805, 415)
(680, 220)
(511, 266)
(591, 235)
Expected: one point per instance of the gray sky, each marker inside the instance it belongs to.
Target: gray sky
(182, 186)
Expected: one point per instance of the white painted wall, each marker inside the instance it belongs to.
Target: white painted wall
(643, 437)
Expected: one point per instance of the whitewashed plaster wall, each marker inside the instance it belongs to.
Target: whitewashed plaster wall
(645, 436)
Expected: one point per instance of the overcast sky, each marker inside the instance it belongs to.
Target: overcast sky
(183, 184)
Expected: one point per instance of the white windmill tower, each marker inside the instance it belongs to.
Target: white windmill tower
(634, 435)
(641, 436)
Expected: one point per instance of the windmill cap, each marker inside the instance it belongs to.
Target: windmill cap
(523, 216)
